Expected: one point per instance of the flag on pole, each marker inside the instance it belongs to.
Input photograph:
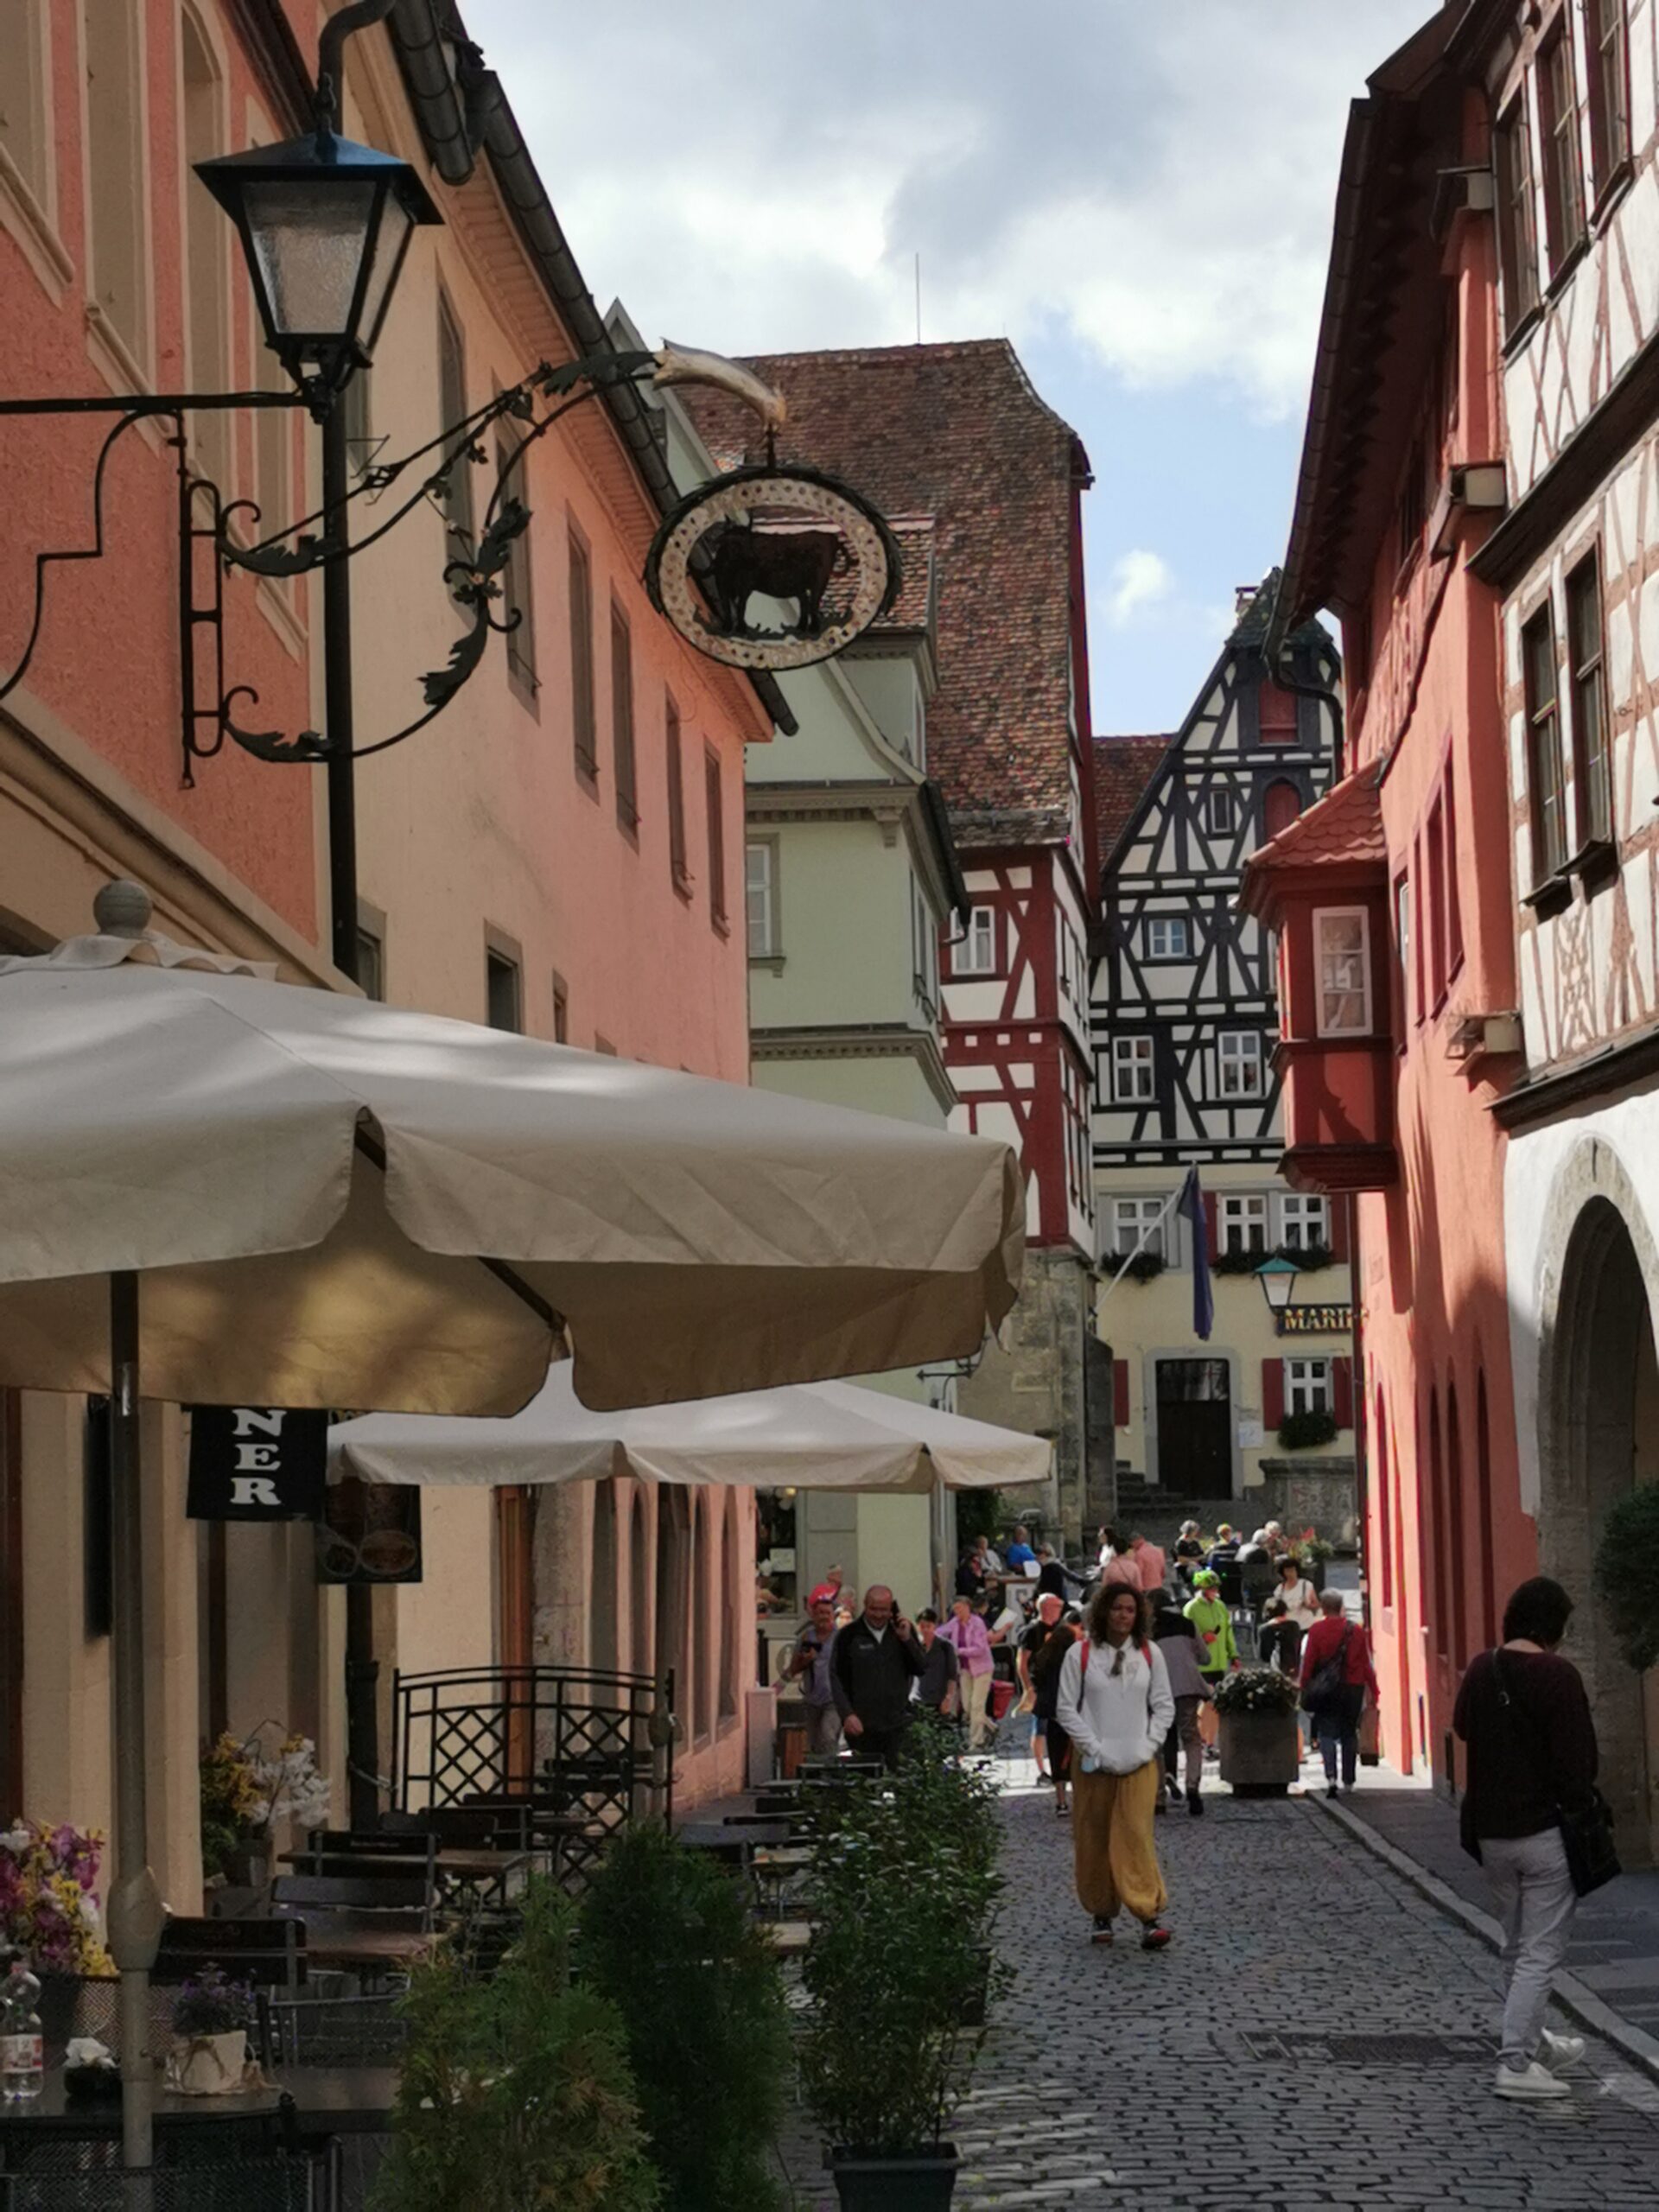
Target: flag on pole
(1191, 1203)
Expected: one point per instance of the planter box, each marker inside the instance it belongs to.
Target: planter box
(1261, 1752)
(917, 2181)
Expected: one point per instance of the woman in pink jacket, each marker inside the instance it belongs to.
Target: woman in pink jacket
(966, 1631)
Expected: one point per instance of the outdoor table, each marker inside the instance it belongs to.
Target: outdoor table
(462, 1867)
(328, 2100)
(373, 1950)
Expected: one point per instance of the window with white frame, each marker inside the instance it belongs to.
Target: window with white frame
(1304, 1223)
(1242, 1224)
(1131, 1219)
(975, 951)
(1132, 1069)
(1308, 1387)
(1239, 1058)
(1342, 940)
(1221, 810)
(1168, 936)
(761, 897)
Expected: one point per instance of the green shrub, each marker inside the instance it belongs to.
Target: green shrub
(1300, 1431)
(906, 1889)
(515, 2094)
(1627, 1574)
(665, 1935)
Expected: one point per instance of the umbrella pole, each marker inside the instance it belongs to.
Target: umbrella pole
(135, 1916)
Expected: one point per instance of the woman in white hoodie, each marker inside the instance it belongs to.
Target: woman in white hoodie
(1116, 1706)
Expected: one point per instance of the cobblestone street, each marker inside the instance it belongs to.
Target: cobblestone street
(1111, 2078)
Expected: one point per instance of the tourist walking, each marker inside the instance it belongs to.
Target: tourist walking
(1336, 1672)
(1041, 1658)
(1054, 1576)
(1532, 1761)
(967, 1634)
(1147, 1562)
(809, 1664)
(1116, 1705)
(1178, 1640)
(1213, 1625)
(937, 1686)
(875, 1661)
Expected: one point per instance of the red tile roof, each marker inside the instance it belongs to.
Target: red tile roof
(956, 431)
(1343, 830)
(1124, 766)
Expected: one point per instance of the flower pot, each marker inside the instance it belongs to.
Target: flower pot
(248, 1867)
(208, 2066)
(903, 2181)
(1315, 1572)
(1261, 1752)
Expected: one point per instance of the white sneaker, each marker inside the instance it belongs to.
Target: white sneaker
(1559, 2052)
(1533, 2084)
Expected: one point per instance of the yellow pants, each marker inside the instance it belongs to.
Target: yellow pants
(1111, 1841)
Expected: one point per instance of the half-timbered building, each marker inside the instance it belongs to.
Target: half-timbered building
(957, 432)
(1184, 1023)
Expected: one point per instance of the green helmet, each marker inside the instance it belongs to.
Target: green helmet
(1206, 1578)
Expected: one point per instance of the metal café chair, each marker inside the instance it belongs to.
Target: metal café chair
(269, 1953)
(334, 2031)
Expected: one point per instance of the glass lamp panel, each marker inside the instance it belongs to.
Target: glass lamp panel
(386, 253)
(309, 241)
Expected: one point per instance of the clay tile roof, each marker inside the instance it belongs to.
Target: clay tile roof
(1124, 766)
(957, 432)
(1342, 829)
(914, 607)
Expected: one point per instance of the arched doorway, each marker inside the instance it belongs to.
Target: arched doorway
(1600, 1437)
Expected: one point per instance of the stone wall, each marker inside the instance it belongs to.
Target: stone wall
(1322, 1494)
(1040, 1385)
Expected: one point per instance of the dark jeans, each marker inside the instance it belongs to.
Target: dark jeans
(1338, 1727)
(883, 1743)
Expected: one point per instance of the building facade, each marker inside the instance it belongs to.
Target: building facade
(1184, 1022)
(956, 434)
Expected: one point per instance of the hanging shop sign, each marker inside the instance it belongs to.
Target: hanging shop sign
(370, 1533)
(1316, 1321)
(773, 568)
(256, 1462)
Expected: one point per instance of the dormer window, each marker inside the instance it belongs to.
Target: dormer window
(1343, 949)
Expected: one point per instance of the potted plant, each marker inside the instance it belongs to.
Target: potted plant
(50, 1911)
(1627, 1573)
(211, 2015)
(515, 2089)
(1261, 1745)
(245, 1792)
(1301, 1432)
(904, 1892)
(1145, 1267)
(667, 1938)
(1237, 1260)
(1312, 1553)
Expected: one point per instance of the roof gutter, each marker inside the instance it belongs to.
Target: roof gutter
(471, 114)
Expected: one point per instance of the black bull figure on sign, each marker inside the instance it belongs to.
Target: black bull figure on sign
(796, 564)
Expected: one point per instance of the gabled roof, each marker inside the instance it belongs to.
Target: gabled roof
(956, 431)
(1124, 768)
(1344, 830)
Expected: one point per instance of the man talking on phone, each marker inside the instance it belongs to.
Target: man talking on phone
(872, 1664)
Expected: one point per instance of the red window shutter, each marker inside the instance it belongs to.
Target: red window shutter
(1273, 1392)
(1211, 1228)
(1120, 1394)
(1339, 1203)
(1342, 1392)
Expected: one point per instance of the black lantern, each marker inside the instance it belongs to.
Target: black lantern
(325, 224)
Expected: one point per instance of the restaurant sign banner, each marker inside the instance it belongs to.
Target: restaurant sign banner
(256, 1462)
(1316, 1321)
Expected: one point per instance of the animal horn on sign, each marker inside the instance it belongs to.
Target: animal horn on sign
(690, 364)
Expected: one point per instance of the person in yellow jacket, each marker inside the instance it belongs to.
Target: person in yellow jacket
(1213, 1625)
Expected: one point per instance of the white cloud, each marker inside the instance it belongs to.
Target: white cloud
(1157, 181)
(1139, 580)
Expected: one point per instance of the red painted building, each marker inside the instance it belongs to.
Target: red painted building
(957, 433)
(1393, 896)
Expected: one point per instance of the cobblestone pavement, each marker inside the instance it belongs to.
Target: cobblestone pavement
(1111, 2078)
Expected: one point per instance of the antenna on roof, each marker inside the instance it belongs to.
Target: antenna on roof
(918, 299)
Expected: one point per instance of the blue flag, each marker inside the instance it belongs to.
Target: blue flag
(1191, 1203)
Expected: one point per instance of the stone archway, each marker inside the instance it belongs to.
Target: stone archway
(1598, 1404)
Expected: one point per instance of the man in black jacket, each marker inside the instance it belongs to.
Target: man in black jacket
(875, 1661)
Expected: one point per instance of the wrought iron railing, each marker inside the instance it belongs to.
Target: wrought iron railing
(583, 1750)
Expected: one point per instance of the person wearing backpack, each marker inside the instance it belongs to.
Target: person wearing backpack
(1533, 1818)
(1336, 1672)
(1116, 1706)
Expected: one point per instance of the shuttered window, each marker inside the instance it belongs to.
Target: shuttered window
(622, 760)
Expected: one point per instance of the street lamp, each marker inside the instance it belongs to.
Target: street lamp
(1277, 1277)
(325, 224)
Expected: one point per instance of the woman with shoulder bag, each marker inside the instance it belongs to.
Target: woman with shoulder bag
(1533, 1818)
(1115, 1707)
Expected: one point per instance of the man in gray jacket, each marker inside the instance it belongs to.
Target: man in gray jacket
(1176, 1639)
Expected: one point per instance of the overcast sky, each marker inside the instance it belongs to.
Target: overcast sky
(1138, 193)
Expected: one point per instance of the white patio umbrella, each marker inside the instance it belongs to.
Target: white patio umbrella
(242, 1191)
(806, 1436)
